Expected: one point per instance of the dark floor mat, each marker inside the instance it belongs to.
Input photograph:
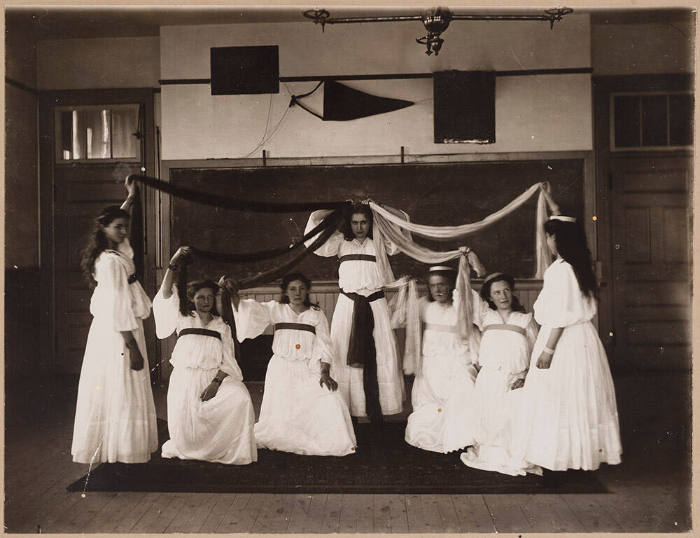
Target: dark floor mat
(383, 463)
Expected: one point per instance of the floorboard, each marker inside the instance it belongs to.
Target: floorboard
(507, 514)
(552, 512)
(649, 492)
(472, 514)
(241, 515)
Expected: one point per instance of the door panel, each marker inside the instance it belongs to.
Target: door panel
(651, 255)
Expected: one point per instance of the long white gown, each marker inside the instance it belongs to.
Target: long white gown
(443, 391)
(220, 429)
(504, 356)
(297, 414)
(567, 418)
(361, 277)
(115, 418)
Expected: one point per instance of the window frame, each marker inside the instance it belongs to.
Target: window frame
(669, 147)
(57, 153)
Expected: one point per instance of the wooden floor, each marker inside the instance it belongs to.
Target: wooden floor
(649, 492)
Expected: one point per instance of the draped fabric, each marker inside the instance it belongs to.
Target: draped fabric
(384, 216)
(449, 233)
(224, 257)
(392, 232)
(218, 200)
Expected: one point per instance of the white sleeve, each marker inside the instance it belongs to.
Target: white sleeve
(531, 332)
(323, 348)
(118, 305)
(561, 302)
(251, 318)
(332, 245)
(166, 313)
(228, 363)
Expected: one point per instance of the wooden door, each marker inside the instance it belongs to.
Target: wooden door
(81, 192)
(90, 142)
(651, 254)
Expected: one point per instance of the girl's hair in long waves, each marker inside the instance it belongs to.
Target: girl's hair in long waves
(573, 248)
(98, 242)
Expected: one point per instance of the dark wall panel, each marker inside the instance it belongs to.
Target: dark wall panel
(435, 194)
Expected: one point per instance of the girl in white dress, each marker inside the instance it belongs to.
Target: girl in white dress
(115, 418)
(375, 388)
(568, 414)
(301, 411)
(508, 334)
(443, 401)
(210, 414)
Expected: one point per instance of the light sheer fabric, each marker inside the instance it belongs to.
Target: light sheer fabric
(567, 417)
(364, 278)
(297, 414)
(115, 418)
(217, 430)
(504, 356)
(394, 226)
(443, 391)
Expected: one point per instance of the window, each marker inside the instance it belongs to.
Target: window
(651, 121)
(101, 132)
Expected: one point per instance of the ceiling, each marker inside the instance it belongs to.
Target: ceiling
(87, 22)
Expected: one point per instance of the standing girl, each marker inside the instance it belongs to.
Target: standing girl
(115, 418)
(568, 417)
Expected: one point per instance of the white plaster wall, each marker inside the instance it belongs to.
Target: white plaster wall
(533, 113)
(119, 62)
(644, 48)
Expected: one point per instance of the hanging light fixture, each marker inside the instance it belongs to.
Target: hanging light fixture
(436, 20)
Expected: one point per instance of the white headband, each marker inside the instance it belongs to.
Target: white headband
(436, 268)
(562, 218)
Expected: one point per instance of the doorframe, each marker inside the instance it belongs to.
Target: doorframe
(48, 361)
(603, 86)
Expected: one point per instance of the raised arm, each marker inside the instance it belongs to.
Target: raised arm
(331, 246)
(250, 316)
(131, 189)
(179, 258)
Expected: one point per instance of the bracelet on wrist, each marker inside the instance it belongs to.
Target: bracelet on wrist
(548, 350)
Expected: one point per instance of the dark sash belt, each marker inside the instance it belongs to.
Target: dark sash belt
(361, 257)
(361, 347)
(295, 327)
(131, 279)
(362, 352)
(202, 332)
(504, 327)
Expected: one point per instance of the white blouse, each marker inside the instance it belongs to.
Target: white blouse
(114, 300)
(252, 318)
(195, 350)
(561, 303)
(354, 276)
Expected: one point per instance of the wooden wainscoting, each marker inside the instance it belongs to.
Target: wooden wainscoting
(325, 294)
